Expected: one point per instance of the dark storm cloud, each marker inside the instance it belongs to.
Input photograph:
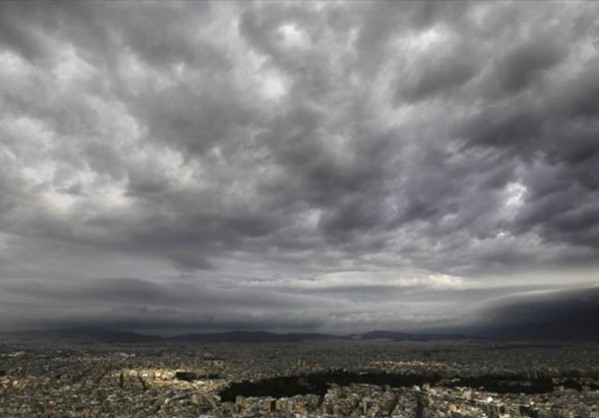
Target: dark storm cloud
(443, 75)
(144, 304)
(224, 144)
(522, 64)
(131, 291)
(555, 315)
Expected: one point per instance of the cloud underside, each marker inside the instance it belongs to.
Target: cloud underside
(288, 165)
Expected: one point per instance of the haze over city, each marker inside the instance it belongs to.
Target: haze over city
(334, 167)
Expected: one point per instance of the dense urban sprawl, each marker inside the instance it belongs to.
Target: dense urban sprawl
(458, 379)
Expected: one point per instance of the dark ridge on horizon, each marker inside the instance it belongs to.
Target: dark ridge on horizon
(91, 335)
(107, 335)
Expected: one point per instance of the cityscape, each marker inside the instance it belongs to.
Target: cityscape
(303, 209)
(337, 377)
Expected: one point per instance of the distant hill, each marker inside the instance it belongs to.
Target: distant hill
(103, 335)
(80, 335)
(404, 336)
(99, 335)
(251, 337)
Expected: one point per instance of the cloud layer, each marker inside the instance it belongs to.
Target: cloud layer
(285, 165)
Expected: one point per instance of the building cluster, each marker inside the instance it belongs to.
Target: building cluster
(168, 380)
(370, 401)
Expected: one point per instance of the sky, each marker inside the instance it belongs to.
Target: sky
(315, 166)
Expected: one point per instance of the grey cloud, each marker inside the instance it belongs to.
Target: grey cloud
(576, 99)
(217, 140)
(30, 43)
(521, 64)
(555, 315)
(137, 291)
(382, 22)
(143, 304)
(441, 72)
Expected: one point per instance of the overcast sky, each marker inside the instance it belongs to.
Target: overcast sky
(335, 166)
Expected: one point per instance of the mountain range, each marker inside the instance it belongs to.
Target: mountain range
(104, 335)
